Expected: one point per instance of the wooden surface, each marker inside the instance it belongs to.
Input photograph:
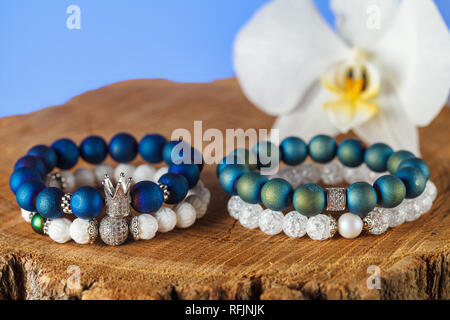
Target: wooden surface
(216, 258)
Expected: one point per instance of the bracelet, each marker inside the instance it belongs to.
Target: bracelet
(45, 197)
(403, 195)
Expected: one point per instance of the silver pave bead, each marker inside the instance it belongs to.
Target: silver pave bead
(336, 199)
(92, 230)
(113, 231)
(134, 227)
(65, 203)
(368, 223)
(165, 190)
(333, 226)
(46, 225)
(117, 198)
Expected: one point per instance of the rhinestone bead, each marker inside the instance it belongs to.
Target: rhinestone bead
(318, 227)
(235, 206)
(271, 222)
(336, 199)
(294, 224)
(249, 216)
(309, 173)
(113, 231)
(332, 173)
(380, 220)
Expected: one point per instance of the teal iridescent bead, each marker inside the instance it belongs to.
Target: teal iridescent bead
(309, 199)
(229, 176)
(249, 186)
(293, 151)
(390, 191)
(38, 223)
(416, 163)
(361, 198)
(413, 179)
(276, 194)
(377, 155)
(396, 158)
(351, 152)
(322, 148)
(239, 156)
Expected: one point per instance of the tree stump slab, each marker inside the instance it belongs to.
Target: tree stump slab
(216, 258)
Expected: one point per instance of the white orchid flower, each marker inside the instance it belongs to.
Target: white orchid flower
(385, 72)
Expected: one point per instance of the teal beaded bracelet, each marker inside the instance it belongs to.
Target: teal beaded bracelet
(406, 179)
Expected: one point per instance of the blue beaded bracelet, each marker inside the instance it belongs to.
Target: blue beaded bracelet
(39, 192)
(238, 176)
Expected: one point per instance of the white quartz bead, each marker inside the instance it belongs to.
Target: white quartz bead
(199, 205)
(186, 214)
(144, 172)
(167, 219)
(126, 168)
(235, 206)
(431, 190)
(309, 172)
(101, 170)
(357, 174)
(423, 203)
(380, 220)
(271, 222)
(26, 215)
(396, 217)
(160, 172)
(201, 191)
(290, 174)
(59, 230)
(350, 225)
(79, 231)
(409, 209)
(85, 177)
(294, 224)
(318, 227)
(249, 215)
(148, 225)
(332, 173)
(69, 181)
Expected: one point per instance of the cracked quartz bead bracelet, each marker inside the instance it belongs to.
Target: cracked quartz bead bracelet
(46, 200)
(386, 188)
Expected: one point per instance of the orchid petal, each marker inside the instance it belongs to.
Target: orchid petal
(309, 119)
(415, 55)
(281, 51)
(361, 23)
(390, 125)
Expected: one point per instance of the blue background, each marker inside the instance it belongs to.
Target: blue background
(43, 63)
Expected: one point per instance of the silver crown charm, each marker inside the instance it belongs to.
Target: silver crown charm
(114, 227)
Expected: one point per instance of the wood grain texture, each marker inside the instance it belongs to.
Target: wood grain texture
(216, 258)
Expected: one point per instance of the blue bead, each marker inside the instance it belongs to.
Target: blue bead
(396, 158)
(178, 151)
(377, 155)
(414, 181)
(94, 149)
(46, 154)
(351, 152)
(322, 148)
(309, 199)
(249, 186)
(151, 147)
(86, 202)
(361, 198)
(190, 171)
(48, 203)
(267, 154)
(229, 176)
(123, 147)
(31, 162)
(26, 194)
(67, 152)
(178, 186)
(293, 151)
(416, 163)
(22, 175)
(390, 191)
(276, 194)
(146, 196)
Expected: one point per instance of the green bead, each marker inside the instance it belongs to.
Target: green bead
(322, 148)
(396, 158)
(276, 194)
(249, 187)
(351, 152)
(309, 199)
(37, 223)
(390, 191)
(229, 177)
(377, 155)
(361, 198)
